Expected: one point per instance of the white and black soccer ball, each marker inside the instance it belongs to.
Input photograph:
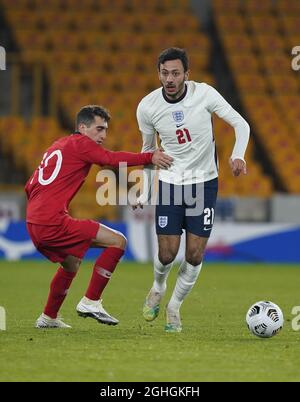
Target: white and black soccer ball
(264, 319)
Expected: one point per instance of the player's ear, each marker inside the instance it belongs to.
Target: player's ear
(186, 75)
(81, 128)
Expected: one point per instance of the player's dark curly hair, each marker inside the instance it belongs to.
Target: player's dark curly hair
(174, 53)
(87, 114)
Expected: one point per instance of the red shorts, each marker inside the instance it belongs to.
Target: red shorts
(72, 237)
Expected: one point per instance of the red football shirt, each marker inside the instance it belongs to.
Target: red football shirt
(62, 172)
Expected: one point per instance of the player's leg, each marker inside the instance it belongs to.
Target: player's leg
(114, 243)
(198, 228)
(58, 291)
(169, 220)
(168, 246)
(188, 273)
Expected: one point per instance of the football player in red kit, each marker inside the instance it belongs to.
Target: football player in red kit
(65, 240)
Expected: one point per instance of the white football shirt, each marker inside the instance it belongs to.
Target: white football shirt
(185, 130)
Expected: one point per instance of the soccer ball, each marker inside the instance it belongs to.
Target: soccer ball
(264, 319)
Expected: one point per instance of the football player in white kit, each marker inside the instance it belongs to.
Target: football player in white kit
(180, 113)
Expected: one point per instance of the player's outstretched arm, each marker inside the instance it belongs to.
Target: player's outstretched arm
(104, 157)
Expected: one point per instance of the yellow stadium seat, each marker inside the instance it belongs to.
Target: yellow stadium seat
(44, 125)
(237, 43)
(284, 83)
(251, 83)
(49, 19)
(29, 39)
(232, 23)
(290, 7)
(13, 125)
(260, 186)
(269, 44)
(257, 102)
(227, 187)
(194, 42)
(15, 4)
(226, 6)
(245, 62)
(291, 23)
(276, 63)
(265, 24)
(258, 6)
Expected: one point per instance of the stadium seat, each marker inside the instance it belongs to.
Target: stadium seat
(237, 43)
(251, 83)
(291, 7)
(233, 23)
(284, 83)
(276, 63)
(263, 24)
(226, 6)
(240, 63)
(267, 43)
(258, 6)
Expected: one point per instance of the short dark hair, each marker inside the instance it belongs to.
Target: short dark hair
(87, 114)
(174, 53)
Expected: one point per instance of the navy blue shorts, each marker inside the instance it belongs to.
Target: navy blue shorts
(189, 207)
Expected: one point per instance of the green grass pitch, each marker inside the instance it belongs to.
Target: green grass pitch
(215, 344)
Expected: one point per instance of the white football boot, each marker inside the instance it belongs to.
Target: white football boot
(173, 321)
(47, 322)
(94, 309)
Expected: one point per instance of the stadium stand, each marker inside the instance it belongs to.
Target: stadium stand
(104, 53)
(258, 48)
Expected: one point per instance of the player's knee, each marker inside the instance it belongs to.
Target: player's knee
(121, 241)
(166, 257)
(194, 257)
(71, 264)
(77, 264)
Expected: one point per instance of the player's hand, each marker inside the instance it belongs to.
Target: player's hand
(238, 166)
(161, 160)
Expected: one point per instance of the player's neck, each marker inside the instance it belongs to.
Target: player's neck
(178, 97)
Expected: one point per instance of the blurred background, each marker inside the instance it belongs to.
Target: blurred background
(63, 54)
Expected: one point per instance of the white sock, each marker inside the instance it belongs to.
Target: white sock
(161, 273)
(186, 279)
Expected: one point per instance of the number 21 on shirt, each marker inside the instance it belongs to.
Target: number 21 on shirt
(183, 136)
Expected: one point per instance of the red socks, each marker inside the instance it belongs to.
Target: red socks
(58, 291)
(103, 268)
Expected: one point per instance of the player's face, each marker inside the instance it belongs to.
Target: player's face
(96, 131)
(172, 77)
